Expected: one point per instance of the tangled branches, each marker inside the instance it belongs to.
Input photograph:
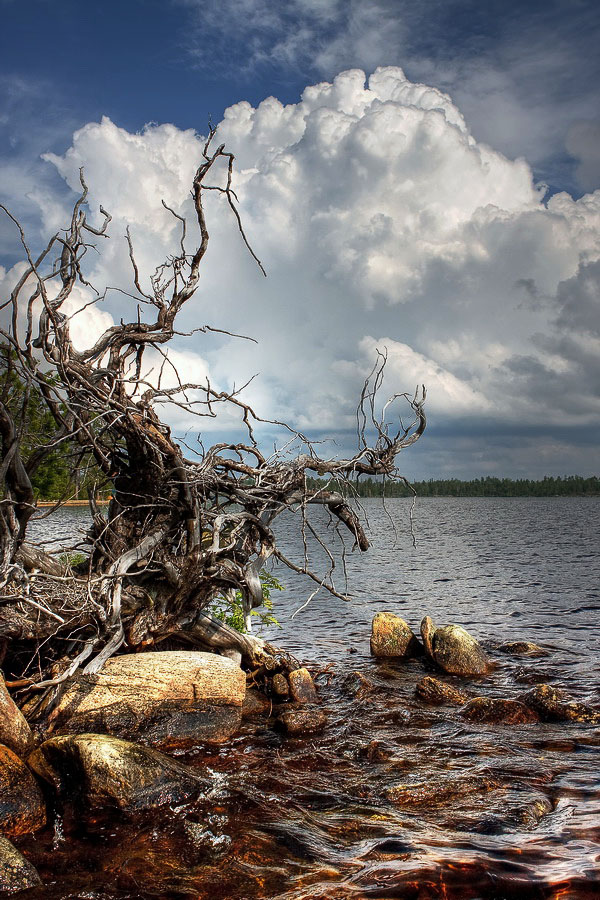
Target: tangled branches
(179, 530)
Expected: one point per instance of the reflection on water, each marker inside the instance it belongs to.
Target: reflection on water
(488, 811)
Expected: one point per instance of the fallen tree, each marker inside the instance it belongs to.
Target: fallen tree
(180, 529)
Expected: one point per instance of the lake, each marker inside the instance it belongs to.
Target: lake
(497, 811)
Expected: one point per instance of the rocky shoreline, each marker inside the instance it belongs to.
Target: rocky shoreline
(109, 744)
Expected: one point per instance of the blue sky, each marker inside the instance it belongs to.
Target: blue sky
(511, 360)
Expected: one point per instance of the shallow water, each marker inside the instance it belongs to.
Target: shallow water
(497, 812)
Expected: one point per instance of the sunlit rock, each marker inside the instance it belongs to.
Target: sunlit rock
(281, 687)
(453, 649)
(302, 686)
(16, 873)
(391, 636)
(97, 770)
(22, 807)
(14, 730)
(495, 711)
(436, 692)
(170, 700)
(522, 648)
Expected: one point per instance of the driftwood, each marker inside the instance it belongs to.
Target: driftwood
(182, 528)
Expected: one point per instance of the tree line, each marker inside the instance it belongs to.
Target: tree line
(549, 486)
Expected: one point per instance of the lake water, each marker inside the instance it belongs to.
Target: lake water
(500, 812)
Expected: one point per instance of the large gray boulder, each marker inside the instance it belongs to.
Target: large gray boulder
(22, 807)
(16, 873)
(98, 770)
(453, 649)
(170, 700)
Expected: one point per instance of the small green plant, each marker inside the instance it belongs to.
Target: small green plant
(230, 610)
(74, 560)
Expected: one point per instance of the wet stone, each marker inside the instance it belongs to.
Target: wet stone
(453, 649)
(357, 685)
(437, 692)
(16, 873)
(494, 711)
(255, 704)
(98, 770)
(302, 686)
(522, 648)
(281, 688)
(22, 807)
(440, 790)
(554, 705)
(391, 636)
(302, 721)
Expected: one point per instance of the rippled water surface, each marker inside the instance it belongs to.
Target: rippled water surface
(486, 811)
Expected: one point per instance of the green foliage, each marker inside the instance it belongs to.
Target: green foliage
(230, 610)
(57, 475)
(569, 485)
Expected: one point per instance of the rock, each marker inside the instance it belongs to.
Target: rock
(281, 688)
(553, 705)
(454, 649)
(170, 700)
(493, 711)
(437, 692)
(522, 648)
(22, 806)
(357, 685)
(302, 687)
(391, 636)
(255, 704)
(302, 721)
(440, 790)
(15, 733)
(16, 874)
(234, 655)
(98, 770)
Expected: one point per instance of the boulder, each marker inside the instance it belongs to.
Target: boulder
(22, 806)
(302, 721)
(302, 686)
(357, 685)
(14, 730)
(255, 704)
(554, 705)
(438, 693)
(522, 648)
(16, 873)
(170, 700)
(453, 649)
(281, 687)
(391, 636)
(98, 770)
(494, 711)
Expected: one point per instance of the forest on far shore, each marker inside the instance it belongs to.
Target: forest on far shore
(490, 486)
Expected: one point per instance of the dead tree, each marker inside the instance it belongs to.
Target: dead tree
(180, 529)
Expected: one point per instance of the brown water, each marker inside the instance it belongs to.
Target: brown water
(497, 812)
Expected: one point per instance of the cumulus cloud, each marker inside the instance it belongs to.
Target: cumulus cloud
(376, 212)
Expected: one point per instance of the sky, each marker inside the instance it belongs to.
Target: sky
(419, 178)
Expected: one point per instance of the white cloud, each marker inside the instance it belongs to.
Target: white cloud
(376, 213)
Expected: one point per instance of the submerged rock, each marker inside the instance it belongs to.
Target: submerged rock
(437, 692)
(440, 790)
(302, 686)
(554, 705)
(98, 770)
(15, 733)
(453, 649)
(357, 685)
(302, 721)
(522, 648)
(391, 636)
(495, 711)
(16, 873)
(22, 807)
(171, 700)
